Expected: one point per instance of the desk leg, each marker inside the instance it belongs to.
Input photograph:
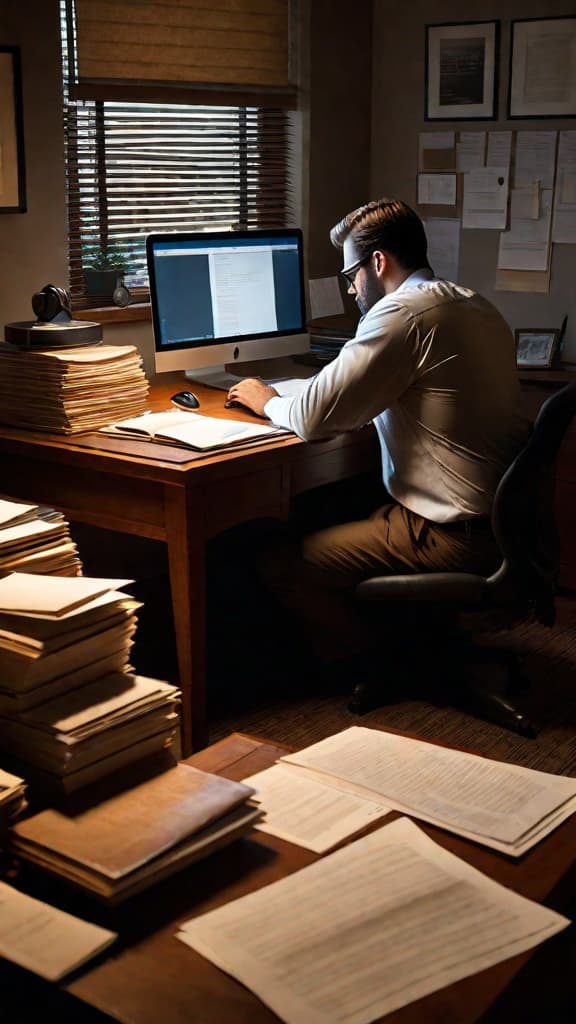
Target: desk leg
(187, 558)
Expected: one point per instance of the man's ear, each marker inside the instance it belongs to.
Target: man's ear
(380, 262)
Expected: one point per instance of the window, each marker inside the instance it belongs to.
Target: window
(134, 168)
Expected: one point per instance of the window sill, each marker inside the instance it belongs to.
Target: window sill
(116, 314)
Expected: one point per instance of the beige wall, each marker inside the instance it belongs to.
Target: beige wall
(398, 116)
(335, 108)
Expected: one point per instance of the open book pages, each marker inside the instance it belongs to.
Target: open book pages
(44, 940)
(192, 430)
(139, 834)
(368, 929)
(501, 805)
(308, 812)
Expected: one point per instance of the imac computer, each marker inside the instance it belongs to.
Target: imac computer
(226, 297)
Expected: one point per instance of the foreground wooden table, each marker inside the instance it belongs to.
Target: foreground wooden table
(151, 977)
(177, 497)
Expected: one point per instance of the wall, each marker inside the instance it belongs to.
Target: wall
(398, 117)
(331, 177)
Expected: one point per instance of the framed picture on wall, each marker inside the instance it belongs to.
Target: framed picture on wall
(535, 347)
(12, 181)
(543, 68)
(462, 71)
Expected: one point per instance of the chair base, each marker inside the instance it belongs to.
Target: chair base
(455, 686)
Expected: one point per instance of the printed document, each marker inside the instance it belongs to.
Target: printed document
(485, 198)
(443, 234)
(564, 223)
(501, 805)
(526, 246)
(535, 158)
(368, 929)
(309, 813)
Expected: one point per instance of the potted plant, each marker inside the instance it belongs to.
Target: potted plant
(104, 270)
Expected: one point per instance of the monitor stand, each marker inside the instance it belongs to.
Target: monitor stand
(221, 377)
(214, 377)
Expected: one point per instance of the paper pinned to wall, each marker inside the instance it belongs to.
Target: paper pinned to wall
(485, 198)
(443, 236)
(325, 297)
(526, 246)
(535, 158)
(499, 149)
(532, 282)
(437, 189)
(436, 151)
(525, 202)
(470, 149)
(564, 222)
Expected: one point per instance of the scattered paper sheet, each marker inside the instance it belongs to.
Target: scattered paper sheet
(325, 297)
(499, 149)
(485, 198)
(308, 813)
(502, 805)
(436, 151)
(564, 221)
(535, 158)
(45, 940)
(526, 246)
(437, 189)
(471, 148)
(368, 929)
(443, 236)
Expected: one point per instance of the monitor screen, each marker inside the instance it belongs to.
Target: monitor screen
(226, 296)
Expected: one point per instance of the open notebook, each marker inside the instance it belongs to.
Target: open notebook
(192, 430)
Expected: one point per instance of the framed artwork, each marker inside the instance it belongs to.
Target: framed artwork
(543, 68)
(535, 347)
(462, 71)
(12, 178)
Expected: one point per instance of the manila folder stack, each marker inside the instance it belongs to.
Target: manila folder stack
(130, 841)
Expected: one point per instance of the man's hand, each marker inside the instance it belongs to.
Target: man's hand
(253, 393)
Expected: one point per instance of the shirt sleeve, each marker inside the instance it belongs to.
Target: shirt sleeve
(370, 373)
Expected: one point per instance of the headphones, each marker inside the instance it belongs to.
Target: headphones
(52, 303)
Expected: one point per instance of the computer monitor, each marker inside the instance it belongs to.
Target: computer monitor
(226, 297)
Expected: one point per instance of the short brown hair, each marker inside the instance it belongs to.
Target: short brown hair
(387, 224)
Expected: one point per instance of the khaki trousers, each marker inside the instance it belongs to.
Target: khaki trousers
(316, 578)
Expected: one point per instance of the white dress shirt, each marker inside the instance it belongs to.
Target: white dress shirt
(433, 366)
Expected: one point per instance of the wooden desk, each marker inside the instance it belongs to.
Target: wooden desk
(137, 488)
(149, 976)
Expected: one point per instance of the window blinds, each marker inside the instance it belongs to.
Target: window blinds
(238, 50)
(137, 168)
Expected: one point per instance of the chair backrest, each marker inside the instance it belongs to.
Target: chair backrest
(523, 519)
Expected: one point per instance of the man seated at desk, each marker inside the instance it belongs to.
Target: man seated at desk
(433, 366)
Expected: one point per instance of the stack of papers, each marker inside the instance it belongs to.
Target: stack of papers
(191, 430)
(12, 796)
(71, 710)
(36, 539)
(130, 841)
(368, 929)
(504, 806)
(70, 390)
(45, 940)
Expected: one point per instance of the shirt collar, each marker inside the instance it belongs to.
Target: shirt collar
(416, 278)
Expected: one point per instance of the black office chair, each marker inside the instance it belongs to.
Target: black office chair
(525, 583)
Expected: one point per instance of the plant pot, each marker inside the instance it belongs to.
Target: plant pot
(102, 282)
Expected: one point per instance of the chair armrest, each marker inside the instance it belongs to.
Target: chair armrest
(433, 586)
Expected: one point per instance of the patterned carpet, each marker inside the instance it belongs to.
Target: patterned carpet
(549, 659)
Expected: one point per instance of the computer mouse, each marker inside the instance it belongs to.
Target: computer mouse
(185, 399)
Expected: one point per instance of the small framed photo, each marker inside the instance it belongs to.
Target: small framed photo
(462, 71)
(12, 181)
(543, 68)
(535, 347)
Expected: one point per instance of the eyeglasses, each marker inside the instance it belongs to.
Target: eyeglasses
(349, 273)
